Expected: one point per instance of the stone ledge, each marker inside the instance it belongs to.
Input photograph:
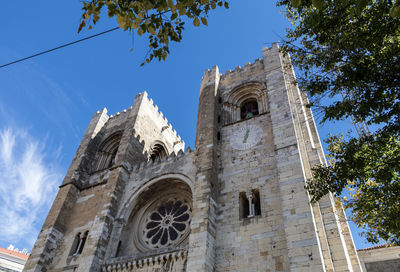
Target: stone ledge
(128, 264)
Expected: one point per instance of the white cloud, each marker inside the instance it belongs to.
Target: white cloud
(28, 184)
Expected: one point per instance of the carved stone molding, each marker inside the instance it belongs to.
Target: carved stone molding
(168, 262)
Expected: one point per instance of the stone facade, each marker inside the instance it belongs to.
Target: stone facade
(12, 260)
(382, 258)
(134, 200)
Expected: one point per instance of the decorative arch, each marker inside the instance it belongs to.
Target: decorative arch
(158, 150)
(107, 151)
(239, 96)
(157, 216)
(131, 202)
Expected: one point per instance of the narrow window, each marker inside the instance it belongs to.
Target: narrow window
(108, 151)
(256, 202)
(157, 151)
(250, 204)
(75, 245)
(78, 244)
(243, 205)
(249, 109)
(83, 241)
(218, 136)
(118, 248)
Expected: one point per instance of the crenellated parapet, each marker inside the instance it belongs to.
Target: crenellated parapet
(248, 66)
(172, 158)
(249, 72)
(161, 122)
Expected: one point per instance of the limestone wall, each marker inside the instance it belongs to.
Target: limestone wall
(380, 259)
(257, 243)
(89, 199)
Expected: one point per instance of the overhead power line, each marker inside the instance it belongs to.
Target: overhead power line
(58, 47)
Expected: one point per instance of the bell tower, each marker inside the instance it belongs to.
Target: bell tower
(256, 142)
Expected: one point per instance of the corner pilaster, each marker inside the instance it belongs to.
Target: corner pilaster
(299, 224)
(203, 226)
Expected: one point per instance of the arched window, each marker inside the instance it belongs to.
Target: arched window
(79, 243)
(249, 109)
(249, 204)
(75, 245)
(159, 218)
(158, 151)
(244, 101)
(107, 151)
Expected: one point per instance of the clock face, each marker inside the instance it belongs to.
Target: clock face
(246, 137)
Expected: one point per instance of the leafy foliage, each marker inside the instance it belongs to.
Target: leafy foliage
(348, 51)
(162, 20)
(369, 169)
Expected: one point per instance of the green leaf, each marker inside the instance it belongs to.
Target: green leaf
(150, 16)
(319, 4)
(121, 21)
(134, 25)
(81, 25)
(395, 12)
(196, 21)
(151, 30)
(296, 3)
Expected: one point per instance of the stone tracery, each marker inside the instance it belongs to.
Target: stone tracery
(234, 100)
(167, 223)
(108, 151)
(160, 219)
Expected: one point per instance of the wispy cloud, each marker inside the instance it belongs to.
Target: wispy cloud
(28, 183)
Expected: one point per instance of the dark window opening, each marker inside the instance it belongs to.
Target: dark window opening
(158, 151)
(219, 119)
(218, 136)
(243, 205)
(118, 248)
(249, 205)
(83, 241)
(112, 160)
(79, 243)
(220, 100)
(108, 151)
(249, 109)
(75, 245)
(256, 202)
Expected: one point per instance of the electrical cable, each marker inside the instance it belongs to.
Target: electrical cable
(59, 47)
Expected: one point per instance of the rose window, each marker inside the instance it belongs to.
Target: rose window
(164, 221)
(167, 223)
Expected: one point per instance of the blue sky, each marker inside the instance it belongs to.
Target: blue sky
(47, 102)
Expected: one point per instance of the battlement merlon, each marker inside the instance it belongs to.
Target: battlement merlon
(210, 77)
(172, 158)
(153, 126)
(209, 74)
(143, 100)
